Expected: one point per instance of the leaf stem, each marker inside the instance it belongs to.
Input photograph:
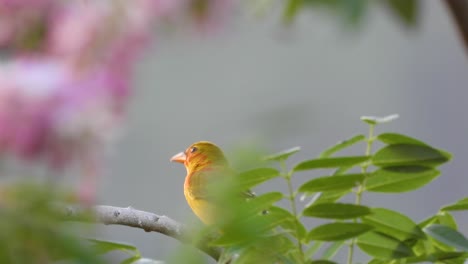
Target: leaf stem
(292, 201)
(361, 187)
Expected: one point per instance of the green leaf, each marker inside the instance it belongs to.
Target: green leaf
(406, 10)
(283, 155)
(332, 183)
(331, 251)
(428, 221)
(289, 223)
(342, 145)
(373, 120)
(329, 197)
(443, 257)
(251, 178)
(448, 236)
(322, 261)
(398, 179)
(242, 231)
(104, 246)
(291, 9)
(342, 170)
(354, 10)
(406, 154)
(445, 218)
(394, 139)
(336, 210)
(393, 224)
(458, 206)
(262, 202)
(330, 163)
(313, 249)
(383, 247)
(338, 231)
(132, 259)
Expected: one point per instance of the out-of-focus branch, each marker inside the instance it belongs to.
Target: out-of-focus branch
(459, 11)
(149, 222)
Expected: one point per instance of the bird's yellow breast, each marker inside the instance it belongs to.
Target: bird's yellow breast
(202, 208)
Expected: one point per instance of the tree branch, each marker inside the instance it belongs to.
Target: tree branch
(149, 222)
(459, 11)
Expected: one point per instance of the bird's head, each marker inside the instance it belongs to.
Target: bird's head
(201, 155)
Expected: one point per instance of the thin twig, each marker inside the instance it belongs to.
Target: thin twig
(149, 222)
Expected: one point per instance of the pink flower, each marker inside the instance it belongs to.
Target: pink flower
(49, 111)
(64, 88)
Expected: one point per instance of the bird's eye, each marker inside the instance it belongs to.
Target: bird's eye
(193, 149)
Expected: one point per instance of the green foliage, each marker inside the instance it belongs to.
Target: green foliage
(32, 230)
(274, 227)
(458, 206)
(400, 179)
(354, 11)
(105, 246)
(402, 164)
(384, 247)
(336, 210)
(338, 231)
(325, 163)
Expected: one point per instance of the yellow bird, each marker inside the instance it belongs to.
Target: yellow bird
(205, 163)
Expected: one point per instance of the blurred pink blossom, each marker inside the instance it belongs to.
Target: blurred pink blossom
(49, 112)
(66, 79)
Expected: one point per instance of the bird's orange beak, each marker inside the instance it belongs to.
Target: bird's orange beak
(179, 157)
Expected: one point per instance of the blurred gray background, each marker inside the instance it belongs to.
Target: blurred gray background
(257, 82)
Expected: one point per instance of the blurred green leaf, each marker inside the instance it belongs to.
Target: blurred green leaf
(332, 183)
(458, 206)
(331, 251)
(350, 11)
(262, 202)
(322, 261)
(246, 224)
(270, 249)
(440, 257)
(316, 245)
(186, 254)
(406, 10)
(338, 231)
(342, 170)
(32, 227)
(406, 154)
(393, 224)
(394, 139)
(329, 196)
(400, 178)
(283, 155)
(341, 145)
(354, 10)
(133, 259)
(373, 120)
(104, 246)
(336, 210)
(251, 178)
(382, 246)
(290, 222)
(330, 163)
(445, 218)
(448, 236)
(428, 221)
(291, 9)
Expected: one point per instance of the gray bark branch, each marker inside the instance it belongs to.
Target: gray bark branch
(149, 222)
